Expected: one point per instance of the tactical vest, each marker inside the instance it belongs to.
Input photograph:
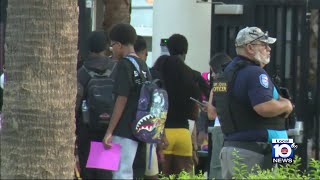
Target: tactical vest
(234, 115)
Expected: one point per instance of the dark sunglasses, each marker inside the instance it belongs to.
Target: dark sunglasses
(262, 37)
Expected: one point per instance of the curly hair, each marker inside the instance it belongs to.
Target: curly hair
(123, 33)
(140, 44)
(97, 41)
(177, 44)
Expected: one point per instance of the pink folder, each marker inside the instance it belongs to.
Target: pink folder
(101, 158)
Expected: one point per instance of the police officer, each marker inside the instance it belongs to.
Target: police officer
(250, 109)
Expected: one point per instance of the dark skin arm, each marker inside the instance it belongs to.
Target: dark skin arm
(119, 106)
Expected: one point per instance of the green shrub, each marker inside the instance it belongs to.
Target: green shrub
(289, 171)
(314, 172)
(182, 175)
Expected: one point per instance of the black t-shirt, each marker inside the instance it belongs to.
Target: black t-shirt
(180, 110)
(128, 84)
(180, 87)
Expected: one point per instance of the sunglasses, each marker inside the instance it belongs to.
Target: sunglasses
(261, 37)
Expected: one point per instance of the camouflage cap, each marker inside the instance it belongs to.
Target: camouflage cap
(250, 34)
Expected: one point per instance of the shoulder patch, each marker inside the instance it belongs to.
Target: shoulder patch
(264, 81)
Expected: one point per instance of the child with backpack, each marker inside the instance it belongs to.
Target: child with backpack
(94, 103)
(146, 161)
(127, 92)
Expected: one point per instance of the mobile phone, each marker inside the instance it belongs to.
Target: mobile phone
(198, 102)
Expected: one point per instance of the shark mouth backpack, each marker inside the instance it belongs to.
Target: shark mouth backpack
(148, 126)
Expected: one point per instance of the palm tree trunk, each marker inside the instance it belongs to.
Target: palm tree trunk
(37, 137)
(116, 11)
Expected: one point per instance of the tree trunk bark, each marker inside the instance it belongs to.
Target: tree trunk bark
(38, 133)
(116, 11)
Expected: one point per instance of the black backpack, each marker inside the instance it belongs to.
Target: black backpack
(99, 97)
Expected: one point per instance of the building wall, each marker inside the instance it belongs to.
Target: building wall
(142, 21)
(188, 18)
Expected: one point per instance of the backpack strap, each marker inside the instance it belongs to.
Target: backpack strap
(150, 76)
(107, 72)
(111, 68)
(134, 62)
(158, 82)
(83, 79)
(84, 76)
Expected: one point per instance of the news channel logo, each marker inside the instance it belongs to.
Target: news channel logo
(283, 151)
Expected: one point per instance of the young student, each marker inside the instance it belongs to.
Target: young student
(178, 46)
(141, 167)
(96, 62)
(127, 87)
(140, 48)
(178, 80)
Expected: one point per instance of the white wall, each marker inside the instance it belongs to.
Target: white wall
(188, 18)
